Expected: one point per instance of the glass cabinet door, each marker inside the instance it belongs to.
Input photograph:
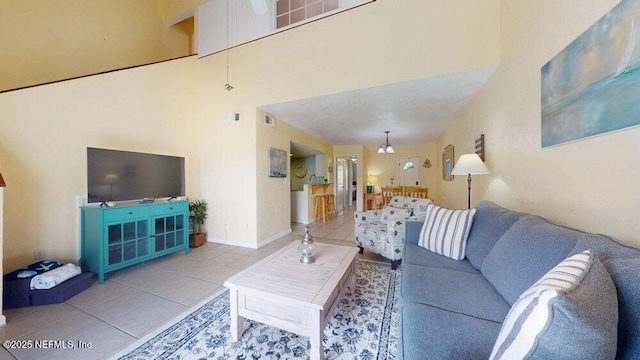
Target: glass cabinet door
(127, 241)
(169, 232)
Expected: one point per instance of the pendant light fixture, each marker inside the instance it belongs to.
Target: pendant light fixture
(386, 148)
(228, 86)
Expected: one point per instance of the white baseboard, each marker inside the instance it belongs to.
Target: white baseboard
(248, 245)
(273, 238)
(232, 243)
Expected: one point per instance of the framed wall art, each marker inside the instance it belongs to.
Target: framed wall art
(479, 144)
(447, 163)
(277, 163)
(590, 87)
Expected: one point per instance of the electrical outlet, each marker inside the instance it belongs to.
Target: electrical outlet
(38, 254)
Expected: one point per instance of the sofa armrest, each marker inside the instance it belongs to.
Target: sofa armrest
(413, 231)
(396, 228)
(394, 245)
(365, 216)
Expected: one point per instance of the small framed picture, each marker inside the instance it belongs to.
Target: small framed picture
(277, 163)
(480, 146)
(447, 163)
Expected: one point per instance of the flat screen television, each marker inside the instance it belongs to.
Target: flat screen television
(115, 175)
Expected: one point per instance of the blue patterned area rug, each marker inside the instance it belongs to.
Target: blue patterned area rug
(364, 326)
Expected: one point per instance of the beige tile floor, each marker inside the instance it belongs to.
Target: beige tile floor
(134, 301)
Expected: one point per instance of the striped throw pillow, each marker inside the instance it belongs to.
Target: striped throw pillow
(445, 231)
(570, 313)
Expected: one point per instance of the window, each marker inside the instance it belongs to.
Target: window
(408, 165)
(408, 173)
(292, 11)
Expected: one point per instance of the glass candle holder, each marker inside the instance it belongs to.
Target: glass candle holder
(307, 248)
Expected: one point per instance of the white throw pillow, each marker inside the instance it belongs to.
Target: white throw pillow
(445, 231)
(570, 313)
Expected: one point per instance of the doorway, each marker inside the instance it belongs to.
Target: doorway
(346, 184)
(408, 172)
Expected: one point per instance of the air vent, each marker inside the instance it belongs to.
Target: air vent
(269, 120)
(233, 117)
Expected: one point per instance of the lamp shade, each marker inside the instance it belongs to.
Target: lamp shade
(372, 179)
(469, 164)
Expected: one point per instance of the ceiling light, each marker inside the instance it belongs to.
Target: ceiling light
(228, 86)
(386, 148)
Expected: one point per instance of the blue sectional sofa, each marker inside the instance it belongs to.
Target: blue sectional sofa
(454, 309)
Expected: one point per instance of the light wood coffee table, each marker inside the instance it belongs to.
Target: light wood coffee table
(283, 292)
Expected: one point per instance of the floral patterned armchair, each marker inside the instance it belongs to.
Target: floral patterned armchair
(383, 231)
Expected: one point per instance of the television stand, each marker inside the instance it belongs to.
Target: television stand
(116, 237)
(147, 201)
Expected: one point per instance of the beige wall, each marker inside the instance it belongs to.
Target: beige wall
(45, 133)
(385, 166)
(274, 205)
(359, 48)
(590, 184)
(180, 107)
(45, 41)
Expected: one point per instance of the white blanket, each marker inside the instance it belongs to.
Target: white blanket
(51, 278)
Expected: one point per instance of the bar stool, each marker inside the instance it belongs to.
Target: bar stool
(331, 205)
(321, 207)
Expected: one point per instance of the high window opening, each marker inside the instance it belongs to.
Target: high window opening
(223, 24)
(293, 11)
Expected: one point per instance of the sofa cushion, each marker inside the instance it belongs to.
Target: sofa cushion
(428, 332)
(570, 313)
(489, 224)
(417, 255)
(445, 231)
(530, 248)
(623, 265)
(457, 291)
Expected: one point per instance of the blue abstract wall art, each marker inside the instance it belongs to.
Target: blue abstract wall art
(593, 85)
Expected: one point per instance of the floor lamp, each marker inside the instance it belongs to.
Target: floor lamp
(469, 164)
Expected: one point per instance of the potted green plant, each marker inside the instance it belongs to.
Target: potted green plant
(197, 215)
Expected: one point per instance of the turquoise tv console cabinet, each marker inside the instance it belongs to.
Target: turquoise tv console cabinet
(120, 236)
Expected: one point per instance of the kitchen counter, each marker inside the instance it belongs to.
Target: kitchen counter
(302, 201)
